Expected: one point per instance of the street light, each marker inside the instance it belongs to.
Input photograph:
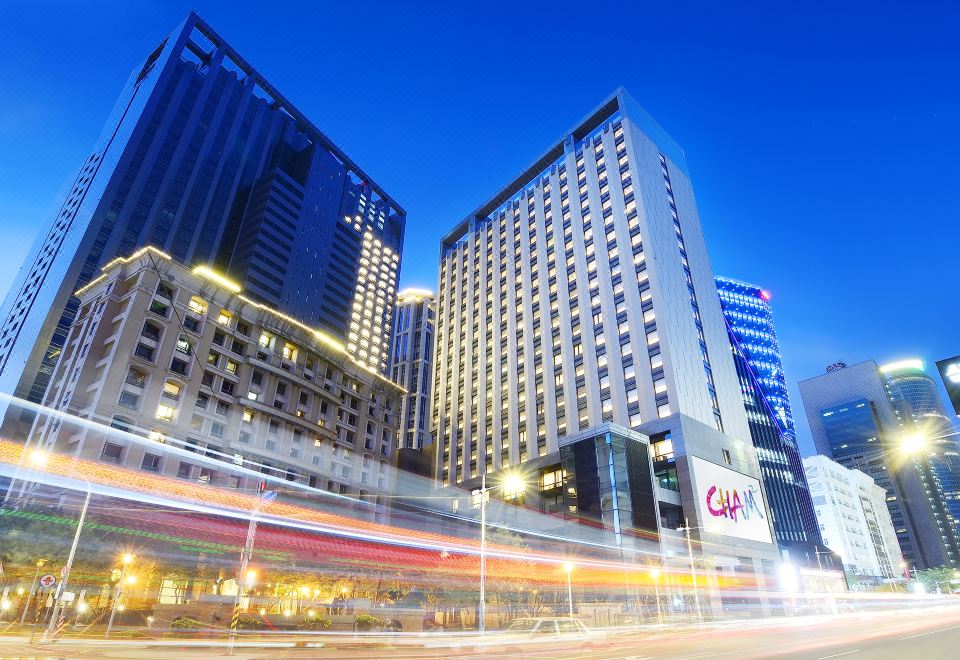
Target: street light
(33, 585)
(39, 458)
(693, 570)
(264, 497)
(655, 576)
(913, 443)
(568, 568)
(125, 561)
(512, 484)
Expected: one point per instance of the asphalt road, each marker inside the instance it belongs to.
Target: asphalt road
(914, 634)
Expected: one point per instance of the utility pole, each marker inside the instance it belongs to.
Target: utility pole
(33, 585)
(693, 568)
(58, 595)
(481, 623)
(264, 497)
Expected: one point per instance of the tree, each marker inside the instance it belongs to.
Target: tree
(941, 578)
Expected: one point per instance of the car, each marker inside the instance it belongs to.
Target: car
(552, 628)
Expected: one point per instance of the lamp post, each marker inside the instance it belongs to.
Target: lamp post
(568, 568)
(39, 458)
(125, 561)
(33, 585)
(693, 570)
(655, 576)
(264, 497)
(512, 483)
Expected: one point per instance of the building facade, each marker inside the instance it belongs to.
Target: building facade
(580, 295)
(177, 372)
(756, 355)
(411, 364)
(854, 422)
(918, 405)
(203, 158)
(854, 519)
(784, 480)
(747, 310)
(949, 369)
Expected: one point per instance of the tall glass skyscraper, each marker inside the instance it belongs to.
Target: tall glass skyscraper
(918, 405)
(756, 355)
(856, 419)
(203, 158)
(746, 308)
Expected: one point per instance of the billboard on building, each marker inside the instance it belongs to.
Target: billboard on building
(730, 503)
(950, 373)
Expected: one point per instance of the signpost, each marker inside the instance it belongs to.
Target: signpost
(48, 581)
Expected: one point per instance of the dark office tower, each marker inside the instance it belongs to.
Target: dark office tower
(411, 364)
(756, 356)
(206, 160)
(854, 421)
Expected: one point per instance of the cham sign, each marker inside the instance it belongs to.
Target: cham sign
(730, 503)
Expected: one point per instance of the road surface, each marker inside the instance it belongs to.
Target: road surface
(918, 633)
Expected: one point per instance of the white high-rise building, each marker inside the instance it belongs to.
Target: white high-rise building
(853, 517)
(580, 293)
(577, 306)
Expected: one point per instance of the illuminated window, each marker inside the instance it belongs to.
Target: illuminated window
(166, 413)
(198, 306)
(224, 318)
(266, 339)
(171, 391)
(663, 450)
(552, 479)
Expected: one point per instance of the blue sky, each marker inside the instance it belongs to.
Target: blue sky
(823, 140)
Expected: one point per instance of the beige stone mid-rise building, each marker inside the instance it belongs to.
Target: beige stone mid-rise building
(173, 371)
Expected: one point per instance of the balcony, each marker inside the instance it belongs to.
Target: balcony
(136, 381)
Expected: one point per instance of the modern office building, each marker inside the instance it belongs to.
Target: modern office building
(578, 298)
(411, 364)
(746, 307)
(784, 480)
(177, 372)
(949, 369)
(854, 520)
(203, 158)
(756, 355)
(918, 405)
(854, 421)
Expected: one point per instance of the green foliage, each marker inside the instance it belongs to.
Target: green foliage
(185, 624)
(945, 578)
(315, 622)
(367, 622)
(500, 536)
(248, 622)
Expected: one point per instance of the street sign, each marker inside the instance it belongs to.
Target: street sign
(268, 496)
(63, 572)
(67, 596)
(48, 581)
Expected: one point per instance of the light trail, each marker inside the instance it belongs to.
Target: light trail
(509, 563)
